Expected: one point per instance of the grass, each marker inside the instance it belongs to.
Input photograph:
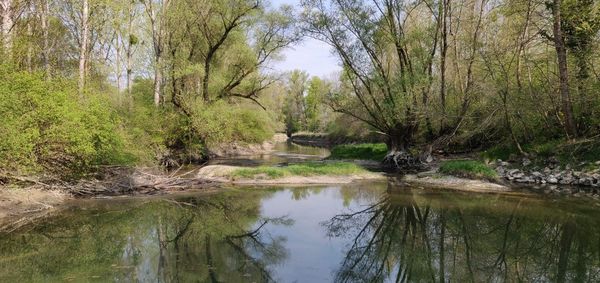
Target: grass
(365, 151)
(469, 169)
(304, 169)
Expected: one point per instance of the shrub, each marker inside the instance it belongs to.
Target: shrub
(468, 168)
(367, 151)
(45, 125)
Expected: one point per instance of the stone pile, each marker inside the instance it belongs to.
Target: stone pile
(551, 174)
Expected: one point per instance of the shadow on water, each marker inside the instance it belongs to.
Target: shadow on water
(356, 233)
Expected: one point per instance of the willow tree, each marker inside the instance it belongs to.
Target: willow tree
(218, 50)
(387, 49)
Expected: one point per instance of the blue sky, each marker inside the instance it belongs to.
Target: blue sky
(310, 55)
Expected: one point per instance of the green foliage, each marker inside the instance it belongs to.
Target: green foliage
(45, 125)
(147, 130)
(499, 152)
(304, 169)
(468, 168)
(366, 151)
(566, 152)
(222, 122)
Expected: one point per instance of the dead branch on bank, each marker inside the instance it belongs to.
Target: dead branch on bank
(111, 181)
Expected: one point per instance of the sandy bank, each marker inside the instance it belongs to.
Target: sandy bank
(222, 174)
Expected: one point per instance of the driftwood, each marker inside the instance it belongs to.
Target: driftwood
(113, 181)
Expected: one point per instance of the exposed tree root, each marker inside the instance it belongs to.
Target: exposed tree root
(400, 160)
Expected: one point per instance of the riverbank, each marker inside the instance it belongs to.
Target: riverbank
(280, 175)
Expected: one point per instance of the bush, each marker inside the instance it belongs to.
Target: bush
(222, 122)
(366, 151)
(45, 125)
(468, 168)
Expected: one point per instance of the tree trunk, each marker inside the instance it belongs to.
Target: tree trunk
(118, 65)
(399, 156)
(7, 25)
(157, 82)
(444, 51)
(44, 11)
(561, 53)
(129, 50)
(83, 45)
(206, 78)
(29, 57)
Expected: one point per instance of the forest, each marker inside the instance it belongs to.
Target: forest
(92, 83)
(202, 141)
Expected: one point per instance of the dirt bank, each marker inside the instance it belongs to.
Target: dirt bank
(222, 174)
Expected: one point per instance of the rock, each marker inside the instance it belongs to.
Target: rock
(547, 170)
(526, 162)
(429, 159)
(597, 162)
(585, 181)
(514, 172)
(537, 174)
(501, 171)
(552, 180)
(566, 181)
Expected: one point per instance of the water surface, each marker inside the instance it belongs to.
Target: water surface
(356, 233)
(282, 154)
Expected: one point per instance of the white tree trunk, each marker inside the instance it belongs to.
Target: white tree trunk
(44, 11)
(83, 44)
(7, 25)
(118, 64)
(155, 14)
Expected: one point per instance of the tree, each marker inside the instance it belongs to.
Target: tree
(84, 44)
(561, 54)
(220, 50)
(385, 66)
(580, 22)
(295, 105)
(155, 9)
(316, 113)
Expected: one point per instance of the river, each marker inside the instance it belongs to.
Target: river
(363, 232)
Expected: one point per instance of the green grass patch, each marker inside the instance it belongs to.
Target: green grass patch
(365, 151)
(469, 169)
(304, 169)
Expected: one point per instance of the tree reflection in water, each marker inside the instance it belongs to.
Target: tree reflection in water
(413, 236)
(200, 239)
